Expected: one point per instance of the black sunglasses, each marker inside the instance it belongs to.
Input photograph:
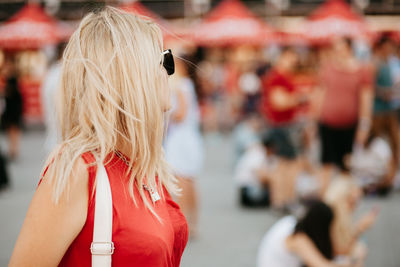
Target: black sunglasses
(168, 62)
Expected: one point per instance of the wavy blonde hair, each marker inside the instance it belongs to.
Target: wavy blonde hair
(337, 197)
(110, 92)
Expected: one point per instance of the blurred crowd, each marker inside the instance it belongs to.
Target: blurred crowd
(313, 129)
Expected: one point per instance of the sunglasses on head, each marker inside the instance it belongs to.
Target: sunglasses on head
(168, 62)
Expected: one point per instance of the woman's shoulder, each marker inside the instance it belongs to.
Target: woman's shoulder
(67, 184)
(79, 171)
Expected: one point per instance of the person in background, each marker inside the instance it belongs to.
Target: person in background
(250, 85)
(246, 134)
(371, 164)
(210, 77)
(386, 85)
(253, 173)
(49, 90)
(279, 105)
(184, 144)
(305, 242)
(344, 107)
(4, 177)
(11, 119)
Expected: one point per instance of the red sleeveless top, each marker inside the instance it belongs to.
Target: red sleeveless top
(139, 238)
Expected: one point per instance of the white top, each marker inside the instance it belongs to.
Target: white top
(272, 251)
(370, 164)
(249, 83)
(184, 145)
(253, 159)
(49, 90)
(243, 138)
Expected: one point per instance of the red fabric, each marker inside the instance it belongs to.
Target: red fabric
(32, 100)
(337, 8)
(140, 239)
(334, 18)
(30, 28)
(138, 8)
(232, 23)
(306, 84)
(277, 79)
(342, 93)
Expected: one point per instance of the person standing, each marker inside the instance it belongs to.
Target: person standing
(385, 116)
(11, 119)
(279, 105)
(113, 98)
(184, 145)
(345, 107)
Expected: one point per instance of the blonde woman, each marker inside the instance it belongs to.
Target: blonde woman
(114, 95)
(343, 196)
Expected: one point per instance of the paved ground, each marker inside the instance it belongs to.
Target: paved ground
(229, 236)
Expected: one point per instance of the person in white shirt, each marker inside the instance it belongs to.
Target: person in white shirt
(295, 243)
(253, 173)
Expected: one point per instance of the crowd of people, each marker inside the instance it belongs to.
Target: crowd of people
(346, 106)
(313, 128)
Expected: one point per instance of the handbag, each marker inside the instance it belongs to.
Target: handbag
(102, 246)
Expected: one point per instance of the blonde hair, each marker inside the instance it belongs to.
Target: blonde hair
(337, 197)
(111, 92)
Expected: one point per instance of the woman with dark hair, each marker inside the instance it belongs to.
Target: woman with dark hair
(293, 243)
(11, 119)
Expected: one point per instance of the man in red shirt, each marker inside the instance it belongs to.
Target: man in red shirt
(280, 105)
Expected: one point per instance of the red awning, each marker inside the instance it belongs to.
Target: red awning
(137, 8)
(290, 38)
(231, 23)
(29, 28)
(332, 19)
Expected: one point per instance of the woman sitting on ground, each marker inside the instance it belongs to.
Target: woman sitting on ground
(293, 243)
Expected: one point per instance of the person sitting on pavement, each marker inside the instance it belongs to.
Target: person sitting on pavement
(253, 173)
(295, 243)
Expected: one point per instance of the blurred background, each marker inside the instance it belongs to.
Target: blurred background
(288, 101)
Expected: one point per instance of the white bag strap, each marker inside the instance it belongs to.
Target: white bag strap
(102, 247)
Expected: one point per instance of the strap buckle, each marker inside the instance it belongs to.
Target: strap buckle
(102, 248)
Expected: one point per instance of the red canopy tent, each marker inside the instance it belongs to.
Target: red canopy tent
(290, 38)
(332, 19)
(231, 23)
(136, 7)
(29, 28)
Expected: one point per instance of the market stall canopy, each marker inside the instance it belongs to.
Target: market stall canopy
(137, 8)
(290, 38)
(231, 23)
(333, 19)
(29, 28)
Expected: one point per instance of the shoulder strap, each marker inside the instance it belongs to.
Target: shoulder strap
(102, 247)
